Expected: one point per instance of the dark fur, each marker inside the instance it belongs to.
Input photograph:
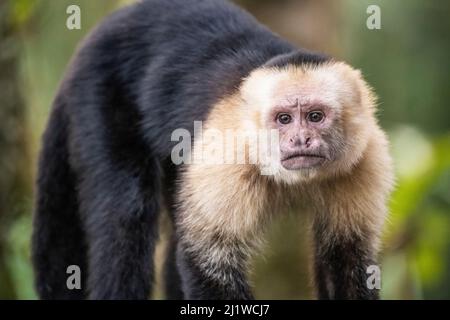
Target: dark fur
(340, 266)
(146, 70)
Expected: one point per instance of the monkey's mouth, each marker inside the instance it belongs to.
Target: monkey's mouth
(298, 161)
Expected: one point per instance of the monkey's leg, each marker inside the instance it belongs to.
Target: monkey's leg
(218, 227)
(341, 266)
(216, 272)
(121, 212)
(320, 277)
(346, 227)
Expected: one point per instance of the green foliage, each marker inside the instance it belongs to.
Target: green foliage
(18, 258)
(420, 220)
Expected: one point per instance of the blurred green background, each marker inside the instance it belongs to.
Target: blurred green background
(406, 61)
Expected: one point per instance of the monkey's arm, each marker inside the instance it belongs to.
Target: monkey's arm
(347, 225)
(219, 226)
(205, 278)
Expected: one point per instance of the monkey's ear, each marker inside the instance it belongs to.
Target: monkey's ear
(367, 97)
(361, 93)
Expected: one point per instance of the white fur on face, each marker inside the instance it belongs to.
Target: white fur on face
(335, 85)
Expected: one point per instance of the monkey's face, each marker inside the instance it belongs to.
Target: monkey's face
(323, 115)
(304, 127)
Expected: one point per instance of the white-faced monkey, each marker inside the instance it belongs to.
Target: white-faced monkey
(106, 170)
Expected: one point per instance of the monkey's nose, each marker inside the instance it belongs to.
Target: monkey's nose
(307, 142)
(300, 141)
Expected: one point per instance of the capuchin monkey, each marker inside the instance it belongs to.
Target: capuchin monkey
(106, 168)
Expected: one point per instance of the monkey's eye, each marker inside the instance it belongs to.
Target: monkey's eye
(284, 118)
(315, 116)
